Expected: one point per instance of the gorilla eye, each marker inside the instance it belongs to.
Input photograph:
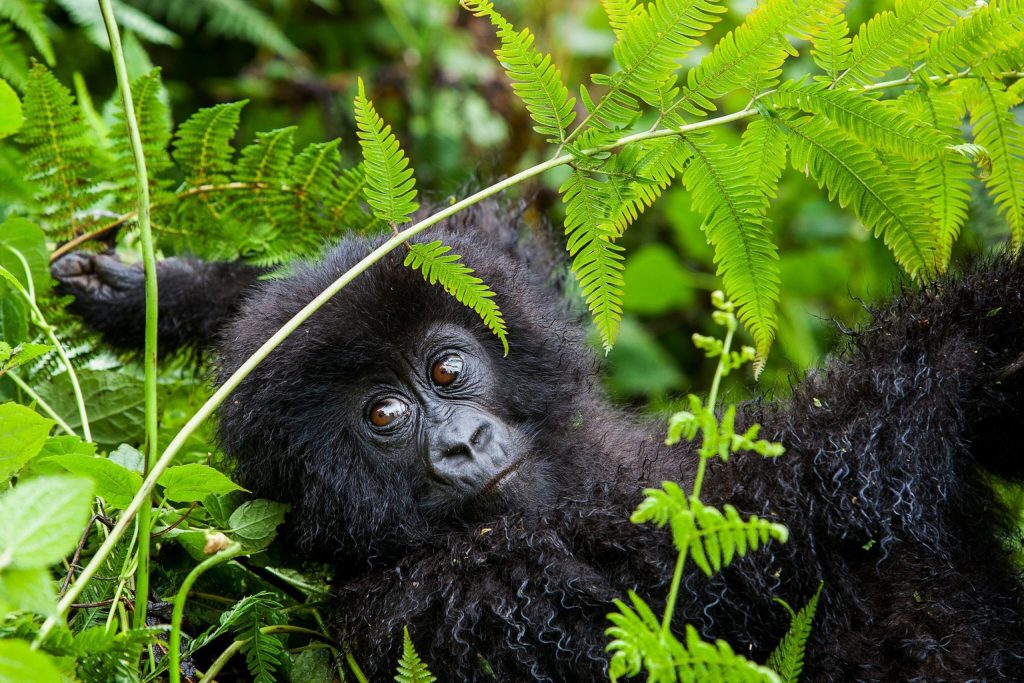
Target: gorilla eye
(387, 412)
(446, 370)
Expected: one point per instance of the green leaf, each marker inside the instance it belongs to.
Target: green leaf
(997, 130)
(128, 458)
(854, 174)
(411, 668)
(28, 16)
(29, 589)
(11, 117)
(193, 482)
(22, 243)
(22, 434)
(831, 45)
(115, 402)
(67, 445)
(255, 523)
(734, 223)
(115, 484)
(390, 186)
(989, 29)
(620, 13)
(19, 662)
(42, 519)
(22, 354)
(154, 121)
(202, 145)
(891, 39)
(535, 78)
(439, 266)
(788, 658)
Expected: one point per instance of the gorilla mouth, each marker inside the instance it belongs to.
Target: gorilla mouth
(503, 475)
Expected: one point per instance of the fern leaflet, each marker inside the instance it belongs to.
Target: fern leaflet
(734, 223)
(202, 145)
(390, 186)
(28, 16)
(411, 668)
(535, 78)
(764, 151)
(787, 659)
(996, 129)
(620, 13)
(854, 174)
(438, 266)
(831, 45)
(989, 29)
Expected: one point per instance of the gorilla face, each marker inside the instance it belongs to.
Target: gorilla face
(437, 406)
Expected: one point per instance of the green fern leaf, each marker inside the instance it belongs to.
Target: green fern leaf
(734, 223)
(659, 161)
(996, 129)
(892, 39)
(997, 65)
(597, 260)
(236, 19)
(59, 154)
(265, 162)
(885, 127)
(390, 186)
(265, 208)
(758, 47)
(989, 29)
(535, 78)
(712, 538)
(787, 659)
(831, 46)
(763, 149)
(28, 16)
(438, 266)
(13, 62)
(854, 174)
(946, 179)
(154, 121)
(620, 13)
(202, 145)
(411, 668)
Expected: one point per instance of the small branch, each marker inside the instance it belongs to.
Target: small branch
(176, 522)
(78, 553)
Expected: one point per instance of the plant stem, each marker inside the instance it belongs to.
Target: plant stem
(149, 266)
(232, 382)
(232, 649)
(174, 640)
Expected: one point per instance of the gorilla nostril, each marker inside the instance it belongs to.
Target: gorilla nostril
(458, 450)
(480, 436)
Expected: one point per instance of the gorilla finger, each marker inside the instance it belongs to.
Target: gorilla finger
(74, 265)
(116, 274)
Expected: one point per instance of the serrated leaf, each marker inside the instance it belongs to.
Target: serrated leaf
(22, 434)
(193, 482)
(255, 523)
(29, 589)
(115, 484)
(390, 186)
(42, 519)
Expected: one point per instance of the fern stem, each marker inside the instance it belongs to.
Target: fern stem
(149, 266)
(46, 407)
(232, 382)
(673, 593)
(174, 639)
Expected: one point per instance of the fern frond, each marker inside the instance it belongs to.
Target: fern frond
(411, 668)
(946, 178)
(734, 223)
(711, 537)
(59, 154)
(989, 29)
(236, 19)
(265, 208)
(202, 145)
(535, 78)
(620, 13)
(639, 644)
(597, 260)
(831, 45)
(154, 121)
(438, 266)
(885, 127)
(658, 162)
(891, 39)
(13, 62)
(787, 660)
(763, 149)
(757, 47)
(264, 653)
(390, 186)
(854, 174)
(28, 16)
(996, 129)
(997, 65)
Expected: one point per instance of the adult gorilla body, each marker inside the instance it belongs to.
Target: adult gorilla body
(490, 513)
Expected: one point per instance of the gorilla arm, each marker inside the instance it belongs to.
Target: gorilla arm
(196, 298)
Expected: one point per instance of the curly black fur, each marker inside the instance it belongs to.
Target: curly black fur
(883, 485)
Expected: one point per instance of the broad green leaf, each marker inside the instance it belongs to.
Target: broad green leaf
(19, 663)
(29, 589)
(22, 243)
(115, 484)
(255, 523)
(193, 482)
(22, 434)
(129, 458)
(65, 445)
(11, 116)
(42, 519)
(114, 400)
(22, 354)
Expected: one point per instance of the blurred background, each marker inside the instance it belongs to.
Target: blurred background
(431, 73)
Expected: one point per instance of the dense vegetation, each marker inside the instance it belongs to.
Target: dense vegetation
(113, 489)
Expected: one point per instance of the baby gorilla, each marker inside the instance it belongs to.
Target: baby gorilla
(484, 501)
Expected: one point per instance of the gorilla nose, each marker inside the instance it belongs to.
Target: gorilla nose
(467, 442)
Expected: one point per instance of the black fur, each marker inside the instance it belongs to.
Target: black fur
(883, 485)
